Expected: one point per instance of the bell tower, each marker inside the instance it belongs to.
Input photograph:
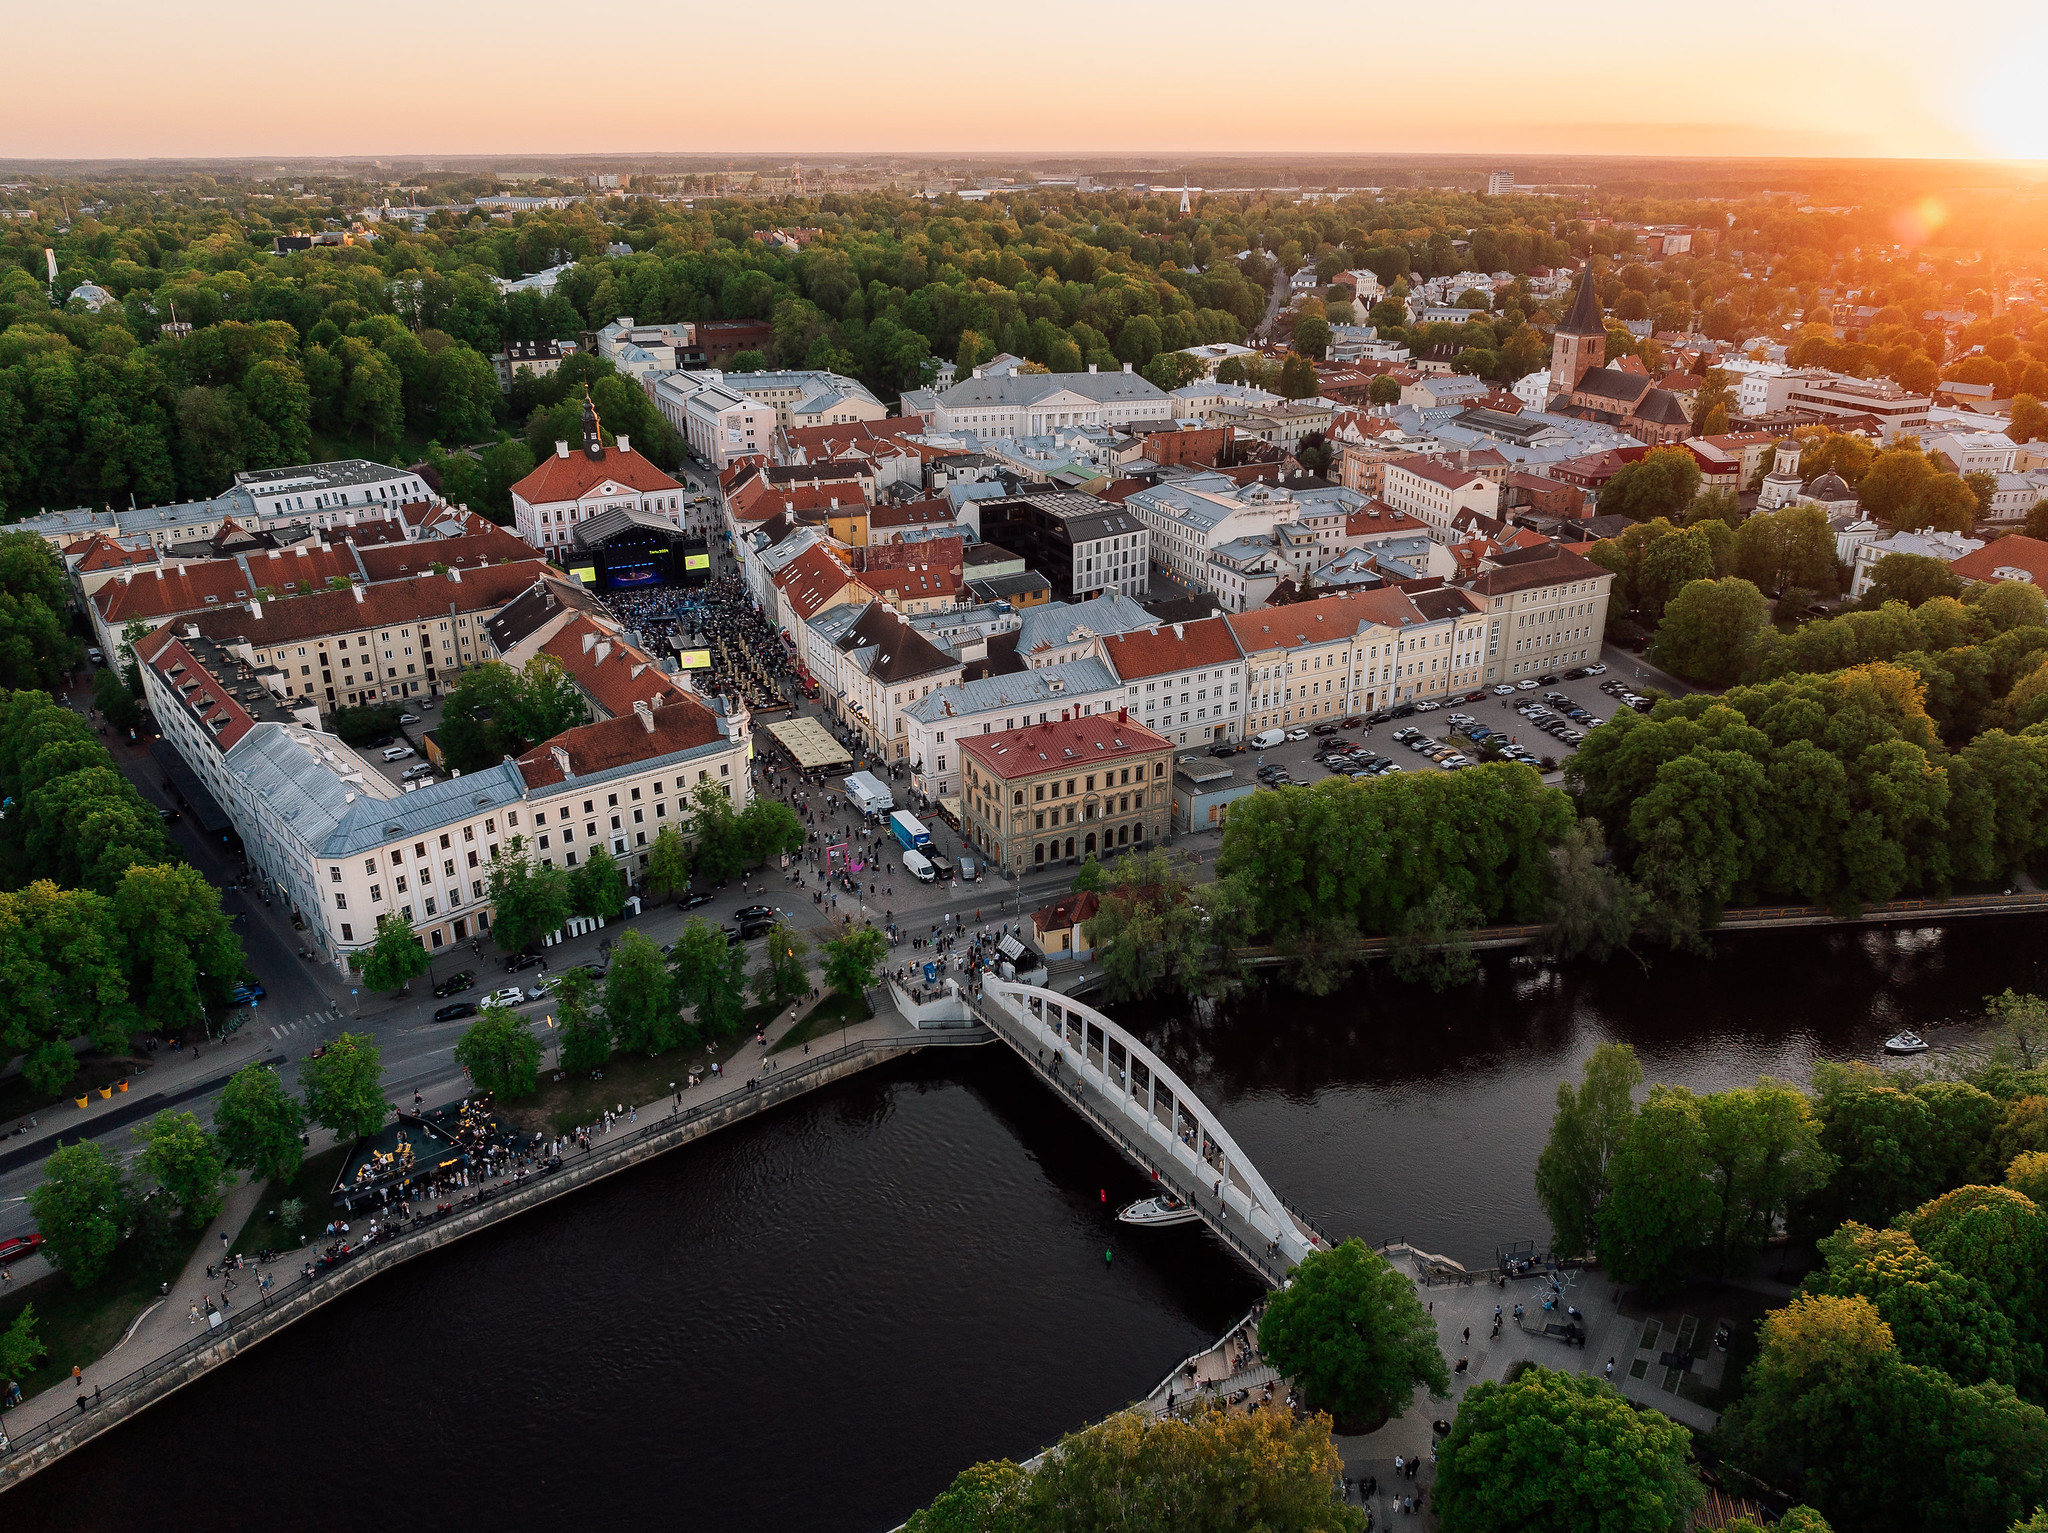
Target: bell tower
(593, 433)
(1579, 344)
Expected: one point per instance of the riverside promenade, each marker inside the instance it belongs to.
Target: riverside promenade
(166, 1349)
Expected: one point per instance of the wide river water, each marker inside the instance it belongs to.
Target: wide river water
(812, 1321)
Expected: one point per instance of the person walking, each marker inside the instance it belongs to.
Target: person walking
(1610, 1370)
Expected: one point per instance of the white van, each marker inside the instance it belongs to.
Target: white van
(397, 752)
(919, 867)
(1266, 740)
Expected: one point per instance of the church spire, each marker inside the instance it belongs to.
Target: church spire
(593, 432)
(1584, 318)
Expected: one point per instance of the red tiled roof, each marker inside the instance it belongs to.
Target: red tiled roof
(2014, 551)
(471, 551)
(560, 479)
(1436, 473)
(1068, 910)
(894, 556)
(1172, 647)
(369, 606)
(1322, 620)
(170, 589)
(100, 552)
(288, 572)
(1070, 743)
(884, 438)
(1363, 521)
(608, 669)
(680, 723)
(211, 702)
(810, 580)
(1117, 491)
(915, 513)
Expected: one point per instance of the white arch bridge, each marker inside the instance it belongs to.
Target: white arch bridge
(1149, 1113)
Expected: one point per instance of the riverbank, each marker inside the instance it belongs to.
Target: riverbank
(53, 1423)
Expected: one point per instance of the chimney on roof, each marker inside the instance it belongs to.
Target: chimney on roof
(358, 592)
(455, 573)
(1123, 715)
(625, 442)
(645, 713)
(561, 760)
(561, 449)
(1127, 367)
(255, 607)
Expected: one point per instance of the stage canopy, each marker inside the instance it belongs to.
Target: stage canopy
(810, 743)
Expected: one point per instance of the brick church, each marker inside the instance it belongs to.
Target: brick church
(1582, 385)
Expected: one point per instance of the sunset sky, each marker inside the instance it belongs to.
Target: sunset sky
(378, 77)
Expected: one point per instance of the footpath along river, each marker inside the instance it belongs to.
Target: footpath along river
(812, 1321)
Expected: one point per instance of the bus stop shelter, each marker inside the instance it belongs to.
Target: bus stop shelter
(811, 744)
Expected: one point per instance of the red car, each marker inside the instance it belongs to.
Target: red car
(15, 1247)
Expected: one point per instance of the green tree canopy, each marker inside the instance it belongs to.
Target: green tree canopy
(181, 1157)
(852, 960)
(343, 1087)
(639, 997)
(501, 1055)
(1591, 1123)
(1552, 1452)
(1352, 1335)
(81, 1207)
(710, 977)
(258, 1124)
(394, 956)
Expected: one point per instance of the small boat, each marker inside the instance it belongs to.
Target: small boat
(1162, 1210)
(1905, 1043)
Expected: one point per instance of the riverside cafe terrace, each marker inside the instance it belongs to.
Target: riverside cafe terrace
(399, 1161)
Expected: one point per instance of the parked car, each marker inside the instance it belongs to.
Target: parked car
(1354, 722)
(93, 654)
(1426, 706)
(511, 995)
(407, 718)
(1297, 734)
(1546, 681)
(15, 1247)
(733, 935)
(1525, 686)
(756, 926)
(1597, 668)
(455, 984)
(456, 1012)
(424, 769)
(1327, 727)
(1226, 749)
(694, 898)
(755, 913)
(521, 961)
(249, 990)
(1505, 689)
(397, 752)
(536, 992)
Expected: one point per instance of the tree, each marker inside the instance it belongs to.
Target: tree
(111, 696)
(1894, 484)
(501, 1056)
(1551, 1452)
(1434, 945)
(1146, 932)
(81, 1207)
(258, 1124)
(1663, 482)
(768, 829)
(710, 976)
(1711, 630)
(20, 1347)
(1657, 1214)
(639, 997)
(2029, 422)
(585, 1042)
(181, 951)
(184, 1160)
(1590, 1125)
(1297, 377)
(2028, 1176)
(1762, 1154)
(530, 899)
(394, 956)
(1938, 1317)
(668, 863)
(1383, 390)
(1946, 502)
(1594, 908)
(598, 887)
(721, 845)
(983, 1498)
(784, 975)
(851, 961)
(1672, 564)
(1912, 579)
(343, 1087)
(1311, 336)
(2019, 1029)
(1352, 1335)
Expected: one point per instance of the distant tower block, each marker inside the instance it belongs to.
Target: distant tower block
(1500, 183)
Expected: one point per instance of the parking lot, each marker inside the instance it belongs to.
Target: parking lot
(1436, 728)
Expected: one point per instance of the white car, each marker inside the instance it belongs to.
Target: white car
(397, 752)
(1505, 689)
(1427, 707)
(1525, 686)
(1297, 734)
(406, 718)
(1597, 668)
(511, 995)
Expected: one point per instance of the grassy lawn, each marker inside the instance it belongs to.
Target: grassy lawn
(315, 1177)
(831, 1013)
(79, 1326)
(18, 1098)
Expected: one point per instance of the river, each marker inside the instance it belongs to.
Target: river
(813, 1320)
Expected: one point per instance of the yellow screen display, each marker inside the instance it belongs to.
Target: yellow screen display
(694, 659)
(588, 574)
(696, 561)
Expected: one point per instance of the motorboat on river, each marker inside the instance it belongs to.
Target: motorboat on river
(1905, 1043)
(1162, 1210)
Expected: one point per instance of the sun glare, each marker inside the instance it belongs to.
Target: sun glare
(2007, 109)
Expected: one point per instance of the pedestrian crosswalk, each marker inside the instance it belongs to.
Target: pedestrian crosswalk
(309, 1022)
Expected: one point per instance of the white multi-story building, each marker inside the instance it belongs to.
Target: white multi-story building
(345, 844)
(1897, 412)
(1545, 609)
(935, 724)
(718, 422)
(1033, 404)
(574, 486)
(1182, 680)
(1436, 493)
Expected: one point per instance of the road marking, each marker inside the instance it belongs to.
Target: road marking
(275, 1034)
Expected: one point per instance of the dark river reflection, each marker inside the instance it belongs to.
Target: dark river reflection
(814, 1320)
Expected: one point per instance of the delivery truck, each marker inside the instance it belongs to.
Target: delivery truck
(869, 794)
(909, 832)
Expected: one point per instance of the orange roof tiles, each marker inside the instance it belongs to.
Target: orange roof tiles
(171, 589)
(680, 723)
(559, 479)
(1171, 647)
(470, 551)
(368, 606)
(1321, 621)
(1074, 744)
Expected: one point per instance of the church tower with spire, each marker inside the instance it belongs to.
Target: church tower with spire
(593, 433)
(1579, 344)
